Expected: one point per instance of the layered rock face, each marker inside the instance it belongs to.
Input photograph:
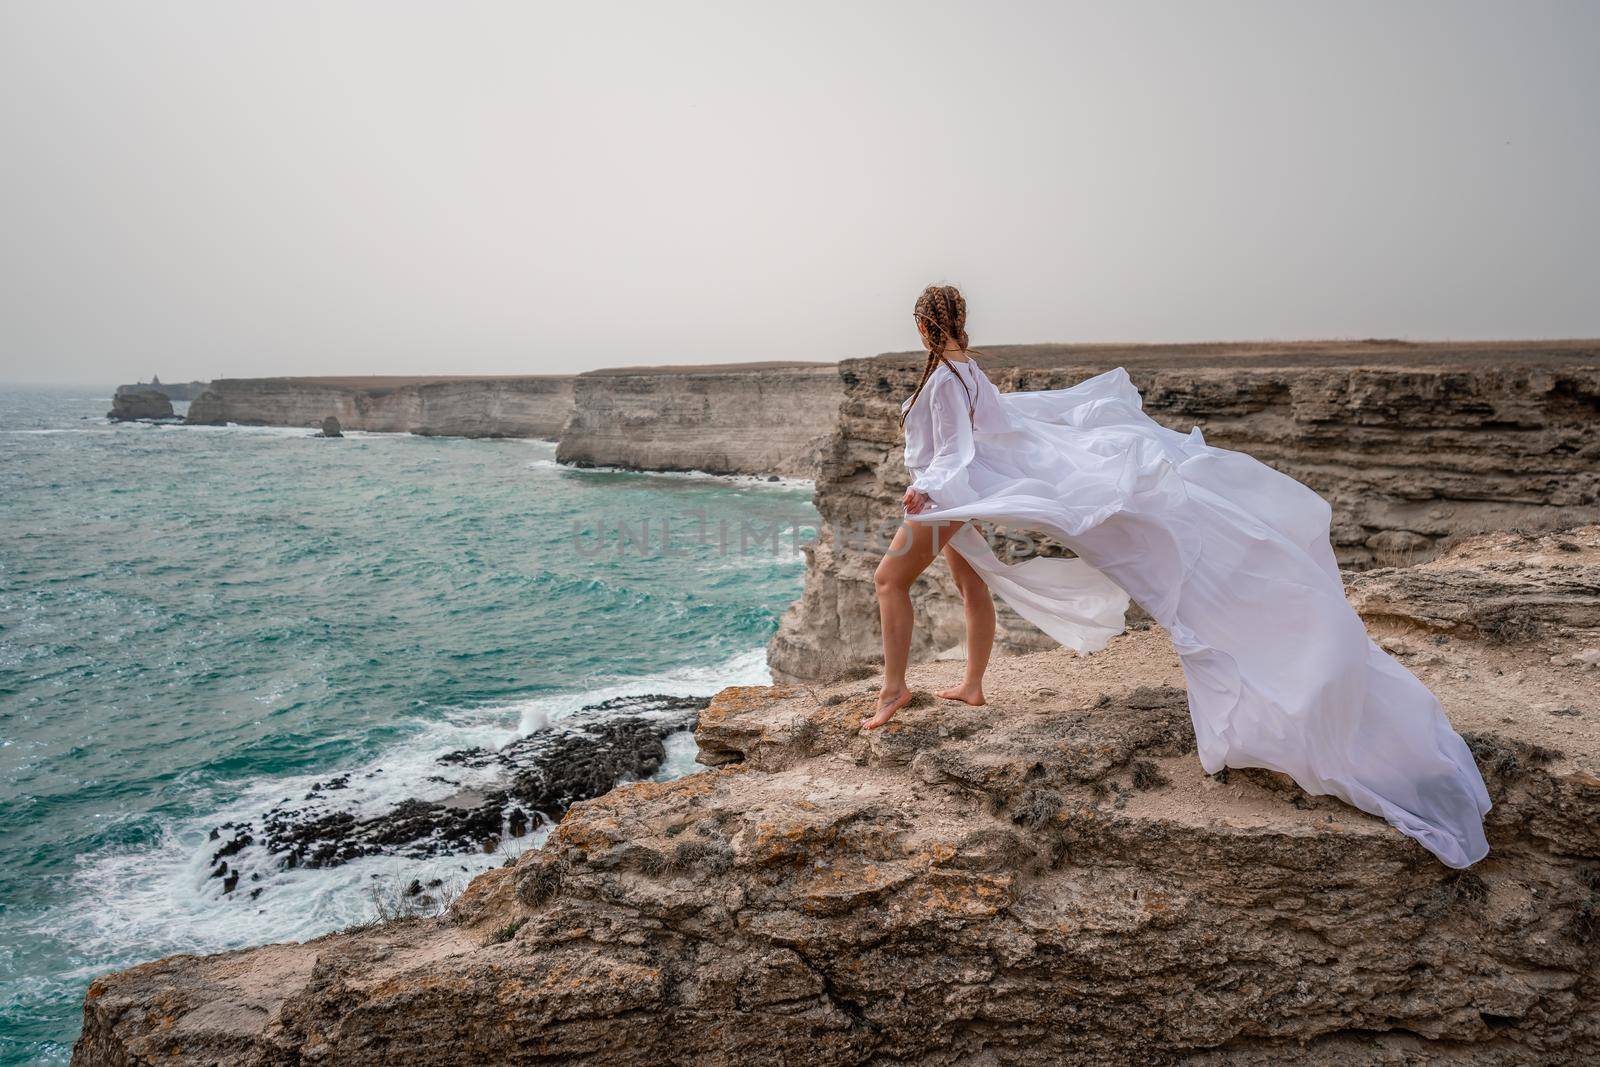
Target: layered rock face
(181, 390)
(131, 402)
(1047, 880)
(533, 406)
(759, 418)
(1412, 444)
(753, 418)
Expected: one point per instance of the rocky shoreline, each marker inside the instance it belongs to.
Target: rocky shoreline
(516, 789)
(1048, 880)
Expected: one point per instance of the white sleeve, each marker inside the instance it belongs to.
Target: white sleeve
(944, 479)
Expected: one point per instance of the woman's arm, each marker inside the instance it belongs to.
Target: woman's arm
(944, 480)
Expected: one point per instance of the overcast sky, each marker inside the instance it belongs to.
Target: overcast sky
(217, 188)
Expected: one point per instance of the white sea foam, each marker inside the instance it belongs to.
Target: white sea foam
(135, 903)
(747, 668)
(51, 432)
(280, 431)
(236, 428)
(752, 481)
(682, 753)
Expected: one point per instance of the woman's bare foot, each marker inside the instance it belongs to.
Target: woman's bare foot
(967, 694)
(889, 702)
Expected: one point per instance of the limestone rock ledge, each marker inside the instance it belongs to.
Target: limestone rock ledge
(1047, 880)
(1414, 445)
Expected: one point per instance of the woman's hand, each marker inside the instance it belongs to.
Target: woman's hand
(915, 500)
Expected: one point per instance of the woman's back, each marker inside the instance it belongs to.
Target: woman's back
(1231, 557)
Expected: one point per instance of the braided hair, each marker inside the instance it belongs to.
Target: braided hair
(942, 311)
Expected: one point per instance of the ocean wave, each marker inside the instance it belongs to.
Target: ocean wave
(137, 902)
(536, 713)
(280, 431)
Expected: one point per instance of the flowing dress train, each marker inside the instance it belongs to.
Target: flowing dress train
(1231, 557)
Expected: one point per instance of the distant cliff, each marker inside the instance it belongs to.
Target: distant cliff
(530, 406)
(754, 418)
(747, 418)
(136, 402)
(176, 391)
(1412, 443)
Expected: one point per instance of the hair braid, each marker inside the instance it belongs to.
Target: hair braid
(942, 311)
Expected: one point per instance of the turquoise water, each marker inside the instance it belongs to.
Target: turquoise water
(197, 623)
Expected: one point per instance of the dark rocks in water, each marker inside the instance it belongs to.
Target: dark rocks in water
(773, 478)
(240, 842)
(132, 403)
(331, 428)
(551, 770)
(579, 766)
(516, 822)
(540, 777)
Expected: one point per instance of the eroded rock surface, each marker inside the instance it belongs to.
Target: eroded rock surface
(1047, 880)
(745, 419)
(135, 402)
(1412, 444)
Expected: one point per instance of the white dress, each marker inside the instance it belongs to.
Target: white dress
(1231, 557)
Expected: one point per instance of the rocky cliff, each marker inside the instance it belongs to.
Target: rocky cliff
(134, 402)
(1048, 880)
(532, 406)
(1412, 443)
(174, 391)
(757, 418)
(750, 418)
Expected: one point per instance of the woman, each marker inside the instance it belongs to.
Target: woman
(1231, 557)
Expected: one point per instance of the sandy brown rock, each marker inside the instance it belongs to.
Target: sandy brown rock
(1047, 880)
(743, 419)
(1413, 445)
(531, 406)
(1499, 588)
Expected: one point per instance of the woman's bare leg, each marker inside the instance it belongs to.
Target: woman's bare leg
(979, 604)
(912, 549)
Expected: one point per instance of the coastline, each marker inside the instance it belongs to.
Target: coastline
(300, 613)
(1002, 883)
(1486, 422)
(749, 418)
(490, 406)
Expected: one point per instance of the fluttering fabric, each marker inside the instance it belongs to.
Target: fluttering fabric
(1231, 557)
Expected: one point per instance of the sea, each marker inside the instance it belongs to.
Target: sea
(198, 624)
